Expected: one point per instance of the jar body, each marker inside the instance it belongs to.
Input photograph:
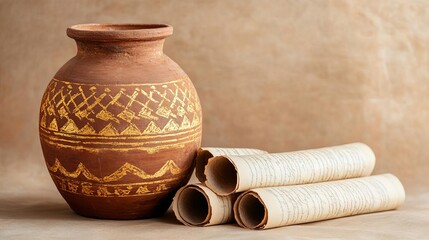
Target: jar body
(119, 133)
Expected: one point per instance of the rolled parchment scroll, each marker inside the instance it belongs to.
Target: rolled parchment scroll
(280, 206)
(197, 205)
(231, 174)
(205, 153)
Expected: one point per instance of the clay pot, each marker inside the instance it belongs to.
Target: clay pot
(120, 123)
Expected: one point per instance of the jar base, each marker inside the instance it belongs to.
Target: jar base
(130, 208)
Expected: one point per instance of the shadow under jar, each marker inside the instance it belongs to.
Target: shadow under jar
(120, 123)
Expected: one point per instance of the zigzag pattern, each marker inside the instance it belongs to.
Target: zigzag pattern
(168, 167)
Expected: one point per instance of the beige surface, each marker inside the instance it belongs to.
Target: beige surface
(274, 75)
(48, 217)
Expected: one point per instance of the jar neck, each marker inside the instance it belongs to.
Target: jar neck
(124, 49)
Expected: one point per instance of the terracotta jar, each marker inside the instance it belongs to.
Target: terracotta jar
(120, 122)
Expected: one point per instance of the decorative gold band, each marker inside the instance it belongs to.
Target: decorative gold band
(103, 187)
(113, 190)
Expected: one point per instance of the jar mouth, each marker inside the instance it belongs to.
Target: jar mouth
(119, 32)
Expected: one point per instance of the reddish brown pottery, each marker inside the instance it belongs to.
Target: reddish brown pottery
(120, 122)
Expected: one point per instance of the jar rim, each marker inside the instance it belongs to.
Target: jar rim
(119, 32)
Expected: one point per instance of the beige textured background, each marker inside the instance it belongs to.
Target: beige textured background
(275, 75)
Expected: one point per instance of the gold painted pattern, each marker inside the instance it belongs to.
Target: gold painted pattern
(81, 170)
(188, 136)
(168, 112)
(91, 189)
(143, 109)
(149, 150)
(141, 137)
(103, 187)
